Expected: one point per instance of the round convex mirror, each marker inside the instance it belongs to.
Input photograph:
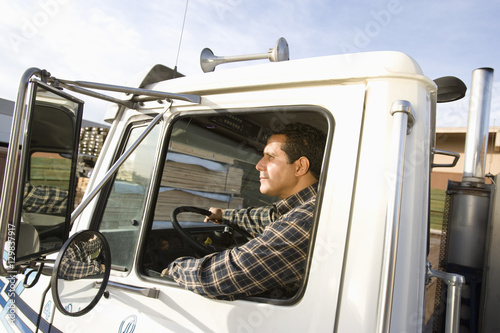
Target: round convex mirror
(81, 273)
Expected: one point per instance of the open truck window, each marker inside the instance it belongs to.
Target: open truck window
(210, 161)
(127, 197)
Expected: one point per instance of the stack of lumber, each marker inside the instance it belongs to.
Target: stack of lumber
(170, 199)
(50, 169)
(92, 140)
(191, 177)
(199, 178)
(80, 189)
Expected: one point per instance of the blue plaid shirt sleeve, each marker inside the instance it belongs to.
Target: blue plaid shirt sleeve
(253, 220)
(274, 259)
(45, 200)
(77, 263)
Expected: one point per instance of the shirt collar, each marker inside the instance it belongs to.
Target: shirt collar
(297, 199)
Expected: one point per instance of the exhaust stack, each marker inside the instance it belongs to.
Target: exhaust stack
(465, 224)
(476, 140)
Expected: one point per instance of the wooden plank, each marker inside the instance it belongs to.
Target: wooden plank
(169, 200)
(202, 153)
(198, 178)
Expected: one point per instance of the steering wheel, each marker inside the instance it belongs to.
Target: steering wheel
(202, 248)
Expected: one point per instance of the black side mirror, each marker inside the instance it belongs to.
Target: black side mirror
(81, 273)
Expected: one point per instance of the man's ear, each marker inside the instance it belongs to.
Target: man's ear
(302, 166)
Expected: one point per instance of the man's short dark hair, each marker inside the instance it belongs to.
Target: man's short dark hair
(303, 140)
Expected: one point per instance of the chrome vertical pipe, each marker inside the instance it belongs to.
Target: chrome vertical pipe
(10, 177)
(455, 283)
(404, 119)
(453, 302)
(476, 141)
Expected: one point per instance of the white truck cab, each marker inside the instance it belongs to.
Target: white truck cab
(194, 142)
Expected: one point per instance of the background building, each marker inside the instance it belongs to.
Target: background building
(453, 139)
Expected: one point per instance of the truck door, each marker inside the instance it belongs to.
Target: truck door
(206, 158)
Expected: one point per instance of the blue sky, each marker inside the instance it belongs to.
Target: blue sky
(114, 41)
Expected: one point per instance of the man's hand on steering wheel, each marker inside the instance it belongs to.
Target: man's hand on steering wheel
(216, 216)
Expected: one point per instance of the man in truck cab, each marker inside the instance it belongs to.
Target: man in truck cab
(275, 259)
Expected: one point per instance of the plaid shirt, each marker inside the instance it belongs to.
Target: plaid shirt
(45, 200)
(77, 261)
(274, 259)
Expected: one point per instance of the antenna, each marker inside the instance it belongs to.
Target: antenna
(180, 38)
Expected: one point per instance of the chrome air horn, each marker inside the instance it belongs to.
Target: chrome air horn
(208, 60)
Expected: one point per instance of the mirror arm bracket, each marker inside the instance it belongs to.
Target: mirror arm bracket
(128, 90)
(38, 272)
(44, 76)
(21, 268)
(91, 93)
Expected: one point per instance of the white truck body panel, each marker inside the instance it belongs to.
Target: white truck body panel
(344, 282)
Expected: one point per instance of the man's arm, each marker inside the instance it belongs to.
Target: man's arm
(253, 220)
(72, 268)
(45, 200)
(274, 259)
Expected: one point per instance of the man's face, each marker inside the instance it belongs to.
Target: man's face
(277, 176)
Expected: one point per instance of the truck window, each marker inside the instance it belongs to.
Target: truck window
(210, 162)
(126, 202)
